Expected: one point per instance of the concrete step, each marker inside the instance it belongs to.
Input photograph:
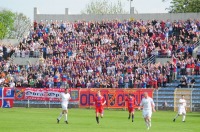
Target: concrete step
(25, 61)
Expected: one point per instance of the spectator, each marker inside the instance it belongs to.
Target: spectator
(107, 54)
(191, 83)
(165, 105)
(31, 83)
(183, 82)
(12, 84)
(18, 84)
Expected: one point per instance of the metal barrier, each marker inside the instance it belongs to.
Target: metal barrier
(151, 59)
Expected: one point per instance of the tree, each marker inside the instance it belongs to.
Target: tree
(22, 25)
(6, 23)
(13, 25)
(104, 7)
(183, 6)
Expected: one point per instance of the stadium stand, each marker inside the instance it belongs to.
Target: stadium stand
(112, 54)
(107, 54)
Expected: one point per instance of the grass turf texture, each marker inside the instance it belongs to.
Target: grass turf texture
(83, 120)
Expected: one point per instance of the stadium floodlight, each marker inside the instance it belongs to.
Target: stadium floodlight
(130, 4)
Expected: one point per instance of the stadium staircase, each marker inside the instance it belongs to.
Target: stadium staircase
(196, 48)
(170, 94)
(196, 99)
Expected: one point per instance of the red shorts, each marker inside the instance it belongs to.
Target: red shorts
(99, 110)
(130, 110)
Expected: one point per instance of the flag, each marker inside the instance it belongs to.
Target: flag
(6, 97)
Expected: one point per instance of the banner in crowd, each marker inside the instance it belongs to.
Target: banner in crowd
(44, 94)
(85, 97)
(6, 97)
(113, 97)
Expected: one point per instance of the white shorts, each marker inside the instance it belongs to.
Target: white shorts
(181, 111)
(147, 113)
(64, 106)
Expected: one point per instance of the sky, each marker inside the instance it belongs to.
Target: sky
(76, 6)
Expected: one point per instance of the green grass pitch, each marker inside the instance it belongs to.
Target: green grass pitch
(83, 120)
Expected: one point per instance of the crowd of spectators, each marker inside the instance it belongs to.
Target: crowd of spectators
(107, 54)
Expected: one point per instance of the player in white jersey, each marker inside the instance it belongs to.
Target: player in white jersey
(181, 109)
(148, 105)
(65, 97)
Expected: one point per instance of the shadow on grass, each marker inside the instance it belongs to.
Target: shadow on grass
(196, 115)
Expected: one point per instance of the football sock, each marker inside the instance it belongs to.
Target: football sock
(66, 117)
(149, 122)
(176, 116)
(129, 116)
(183, 118)
(60, 116)
(132, 118)
(97, 119)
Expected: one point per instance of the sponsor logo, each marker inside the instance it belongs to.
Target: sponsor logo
(19, 93)
(34, 93)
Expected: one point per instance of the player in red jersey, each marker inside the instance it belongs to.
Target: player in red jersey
(131, 106)
(99, 101)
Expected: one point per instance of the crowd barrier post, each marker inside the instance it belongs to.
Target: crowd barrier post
(124, 102)
(156, 99)
(191, 100)
(28, 103)
(89, 99)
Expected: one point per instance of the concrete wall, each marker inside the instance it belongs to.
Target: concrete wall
(195, 51)
(93, 17)
(24, 61)
(163, 60)
(13, 42)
